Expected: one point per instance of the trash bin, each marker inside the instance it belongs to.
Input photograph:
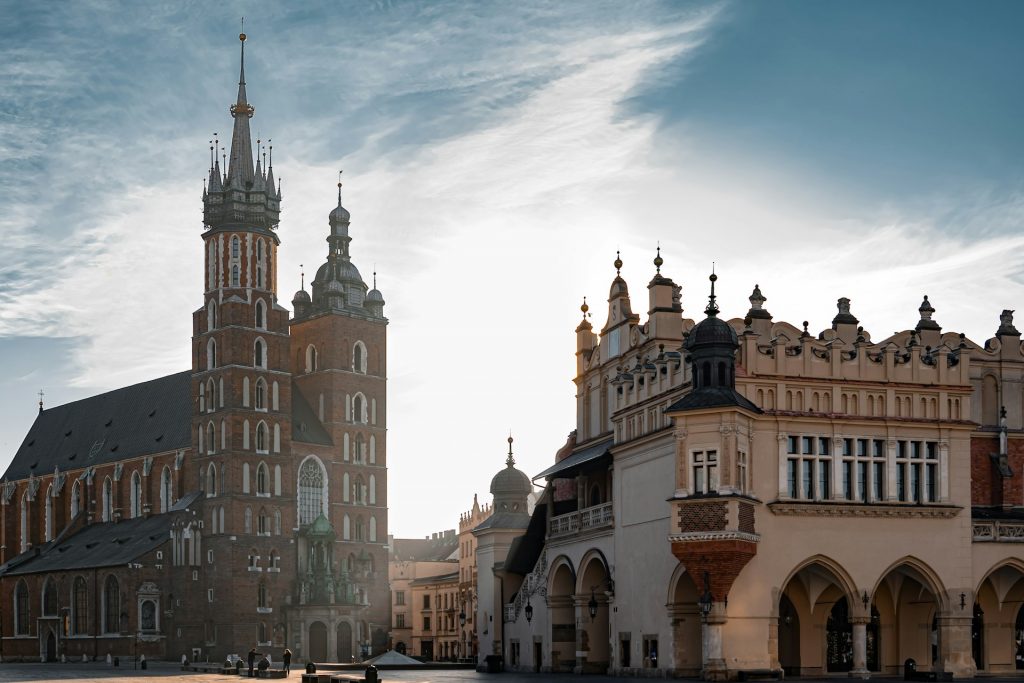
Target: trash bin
(910, 670)
(371, 674)
(493, 664)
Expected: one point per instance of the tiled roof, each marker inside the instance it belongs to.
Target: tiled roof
(424, 549)
(145, 418)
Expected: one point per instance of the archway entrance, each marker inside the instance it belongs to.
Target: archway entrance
(997, 633)
(815, 633)
(318, 642)
(50, 649)
(686, 626)
(593, 590)
(344, 642)
(563, 618)
(907, 603)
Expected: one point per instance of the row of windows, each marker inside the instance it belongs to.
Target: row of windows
(358, 358)
(207, 437)
(107, 504)
(259, 315)
(259, 354)
(262, 399)
(112, 619)
(855, 404)
(263, 263)
(862, 470)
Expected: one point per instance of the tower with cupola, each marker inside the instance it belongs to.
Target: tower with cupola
(242, 416)
(339, 355)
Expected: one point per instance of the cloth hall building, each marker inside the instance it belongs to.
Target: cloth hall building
(238, 504)
(744, 496)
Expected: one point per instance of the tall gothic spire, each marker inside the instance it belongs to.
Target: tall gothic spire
(240, 170)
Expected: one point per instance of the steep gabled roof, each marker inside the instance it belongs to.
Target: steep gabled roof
(149, 417)
(306, 426)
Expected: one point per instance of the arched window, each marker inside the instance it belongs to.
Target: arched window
(262, 523)
(312, 490)
(359, 358)
(262, 480)
(211, 439)
(80, 607)
(373, 529)
(234, 246)
(346, 529)
(111, 605)
(76, 499)
(277, 522)
(211, 480)
(136, 497)
(261, 438)
(260, 354)
(311, 359)
(22, 609)
(261, 601)
(359, 455)
(360, 529)
(48, 514)
(259, 262)
(211, 354)
(108, 500)
(166, 493)
(357, 491)
(261, 315)
(24, 521)
(373, 489)
(211, 316)
(211, 391)
(275, 560)
(147, 616)
(359, 409)
(50, 598)
(202, 397)
(234, 275)
(261, 394)
(248, 520)
(346, 488)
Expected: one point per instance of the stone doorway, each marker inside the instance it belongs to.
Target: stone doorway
(344, 642)
(318, 642)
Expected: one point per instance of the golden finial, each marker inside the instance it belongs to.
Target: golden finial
(618, 262)
(241, 36)
(510, 461)
(658, 260)
(585, 308)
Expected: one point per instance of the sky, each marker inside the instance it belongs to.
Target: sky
(496, 157)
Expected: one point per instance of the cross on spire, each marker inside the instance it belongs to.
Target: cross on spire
(41, 394)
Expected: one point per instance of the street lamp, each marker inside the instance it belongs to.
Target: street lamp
(462, 618)
(592, 605)
(529, 612)
(707, 599)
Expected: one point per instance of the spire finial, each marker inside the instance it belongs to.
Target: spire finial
(41, 394)
(339, 187)
(618, 262)
(510, 461)
(302, 276)
(585, 308)
(270, 147)
(375, 276)
(712, 309)
(657, 259)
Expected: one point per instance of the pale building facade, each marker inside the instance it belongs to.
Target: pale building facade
(419, 571)
(744, 495)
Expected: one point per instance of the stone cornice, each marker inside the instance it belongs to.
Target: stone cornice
(863, 510)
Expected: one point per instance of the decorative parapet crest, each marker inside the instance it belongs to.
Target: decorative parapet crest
(179, 460)
(118, 471)
(699, 536)
(58, 481)
(998, 532)
(147, 466)
(33, 487)
(862, 510)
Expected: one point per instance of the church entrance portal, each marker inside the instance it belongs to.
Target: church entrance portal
(318, 642)
(344, 642)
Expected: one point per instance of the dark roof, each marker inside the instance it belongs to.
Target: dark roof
(150, 417)
(525, 549)
(306, 426)
(1005, 514)
(440, 578)
(713, 397)
(504, 520)
(579, 457)
(107, 544)
(424, 549)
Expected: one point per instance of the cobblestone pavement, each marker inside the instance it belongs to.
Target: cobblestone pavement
(170, 673)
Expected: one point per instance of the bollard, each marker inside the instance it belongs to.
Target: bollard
(371, 674)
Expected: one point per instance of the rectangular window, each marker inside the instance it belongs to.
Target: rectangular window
(426, 622)
(209, 595)
(399, 621)
(705, 471)
(932, 450)
(878, 450)
(932, 482)
(878, 480)
(426, 602)
(792, 443)
(862, 481)
(824, 480)
(915, 483)
(901, 483)
(741, 471)
(650, 652)
(848, 448)
(824, 446)
(915, 450)
(901, 449)
(399, 597)
(848, 480)
(712, 471)
(807, 445)
(862, 448)
(791, 478)
(808, 479)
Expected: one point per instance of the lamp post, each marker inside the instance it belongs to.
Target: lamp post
(529, 612)
(592, 605)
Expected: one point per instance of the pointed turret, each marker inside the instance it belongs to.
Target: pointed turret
(240, 171)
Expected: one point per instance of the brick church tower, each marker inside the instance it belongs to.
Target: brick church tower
(241, 386)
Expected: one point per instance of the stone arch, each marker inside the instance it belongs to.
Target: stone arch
(842, 577)
(931, 579)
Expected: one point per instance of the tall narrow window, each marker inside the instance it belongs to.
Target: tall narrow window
(80, 607)
(260, 354)
(48, 514)
(248, 520)
(311, 359)
(261, 438)
(741, 474)
(166, 494)
(705, 471)
(136, 494)
(261, 315)
(234, 247)
(259, 263)
(76, 499)
(211, 439)
(111, 606)
(108, 500)
(211, 480)
(359, 358)
(262, 480)
(261, 394)
(312, 490)
(211, 316)
(22, 613)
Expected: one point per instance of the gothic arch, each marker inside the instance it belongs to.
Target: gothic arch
(930, 581)
(560, 563)
(261, 314)
(312, 491)
(591, 556)
(839, 574)
(259, 353)
(359, 357)
(1006, 562)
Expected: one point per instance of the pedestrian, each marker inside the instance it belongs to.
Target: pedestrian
(252, 661)
(286, 657)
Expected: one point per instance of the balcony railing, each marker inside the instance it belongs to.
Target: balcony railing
(596, 517)
(1006, 532)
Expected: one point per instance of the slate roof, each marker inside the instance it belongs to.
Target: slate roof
(504, 520)
(525, 549)
(306, 426)
(424, 549)
(440, 578)
(150, 417)
(107, 544)
(713, 397)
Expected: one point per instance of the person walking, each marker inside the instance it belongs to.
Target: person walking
(286, 657)
(252, 661)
